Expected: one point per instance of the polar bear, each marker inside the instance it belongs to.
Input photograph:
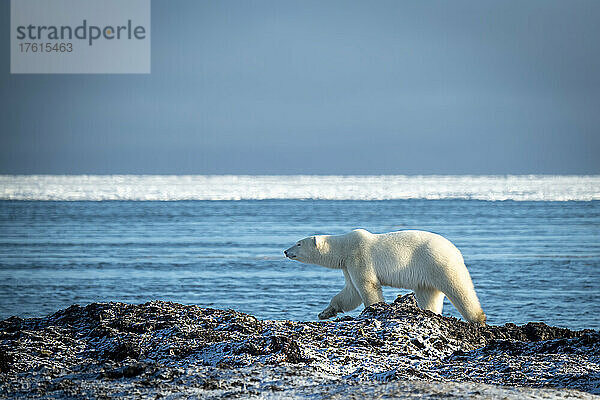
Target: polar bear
(424, 262)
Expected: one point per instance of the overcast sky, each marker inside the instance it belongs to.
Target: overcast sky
(326, 87)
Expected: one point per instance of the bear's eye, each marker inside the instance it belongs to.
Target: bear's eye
(298, 244)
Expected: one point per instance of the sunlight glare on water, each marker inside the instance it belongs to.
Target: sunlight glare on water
(530, 260)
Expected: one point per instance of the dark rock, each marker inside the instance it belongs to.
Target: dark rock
(126, 371)
(408, 300)
(287, 347)
(164, 348)
(122, 349)
(5, 360)
(417, 343)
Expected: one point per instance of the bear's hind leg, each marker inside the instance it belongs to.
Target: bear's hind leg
(466, 302)
(430, 299)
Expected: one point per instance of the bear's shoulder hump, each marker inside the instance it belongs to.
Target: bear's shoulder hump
(360, 233)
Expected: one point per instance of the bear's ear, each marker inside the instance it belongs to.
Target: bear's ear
(321, 243)
(318, 241)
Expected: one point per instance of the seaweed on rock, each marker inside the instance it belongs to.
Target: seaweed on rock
(162, 348)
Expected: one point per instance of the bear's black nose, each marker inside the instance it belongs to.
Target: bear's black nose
(285, 252)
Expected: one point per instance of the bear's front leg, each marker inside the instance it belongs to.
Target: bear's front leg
(329, 312)
(346, 300)
(367, 284)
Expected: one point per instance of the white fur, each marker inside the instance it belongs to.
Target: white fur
(421, 261)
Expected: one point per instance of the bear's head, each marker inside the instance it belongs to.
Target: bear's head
(309, 250)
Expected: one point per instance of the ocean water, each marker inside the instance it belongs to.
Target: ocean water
(532, 244)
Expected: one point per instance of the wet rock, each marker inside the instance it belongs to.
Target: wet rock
(125, 371)
(162, 348)
(288, 347)
(5, 361)
(120, 350)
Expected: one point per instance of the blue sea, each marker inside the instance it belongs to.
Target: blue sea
(531, 243)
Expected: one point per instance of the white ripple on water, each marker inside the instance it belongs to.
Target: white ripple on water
(331, 187)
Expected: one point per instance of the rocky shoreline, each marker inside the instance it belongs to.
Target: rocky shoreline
(161, 349)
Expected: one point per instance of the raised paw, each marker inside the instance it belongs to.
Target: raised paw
(328, 313)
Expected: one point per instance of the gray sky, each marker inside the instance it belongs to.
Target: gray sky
(326, 87)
